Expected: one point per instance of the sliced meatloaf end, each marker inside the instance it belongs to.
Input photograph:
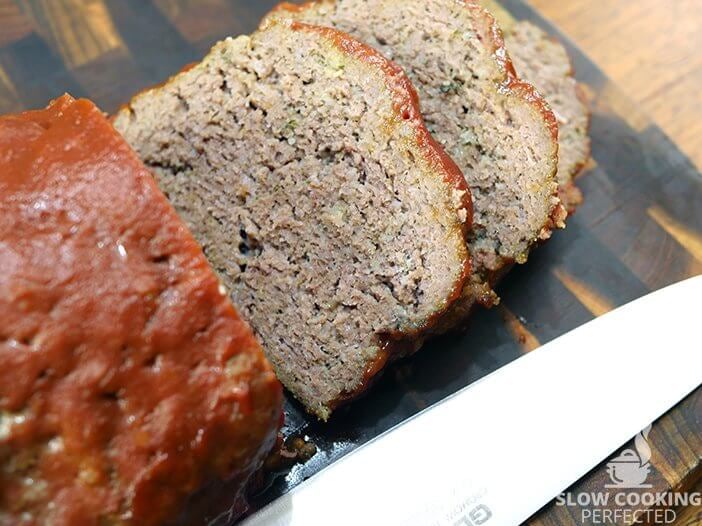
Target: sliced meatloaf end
(298, 157)
(127, 379)
(498, 129)
(544, 62)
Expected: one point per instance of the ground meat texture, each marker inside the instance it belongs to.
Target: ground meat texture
(298, 157)
(497, 128)
(127, 380)
(544, 62)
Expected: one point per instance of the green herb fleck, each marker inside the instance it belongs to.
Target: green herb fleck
(448, 87)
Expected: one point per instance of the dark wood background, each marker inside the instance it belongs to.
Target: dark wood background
(640, 228)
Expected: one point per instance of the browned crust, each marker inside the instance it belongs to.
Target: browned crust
(514, 85)
(399, 343)
(406, 103)
(511, 84)
(394, 348)
(389, 351)
(569, 193)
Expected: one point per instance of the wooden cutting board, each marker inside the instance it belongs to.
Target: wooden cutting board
(639, 229)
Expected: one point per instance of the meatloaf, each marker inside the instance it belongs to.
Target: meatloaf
(497, 128)
(544, 62)
(127, 380)
(298, 157)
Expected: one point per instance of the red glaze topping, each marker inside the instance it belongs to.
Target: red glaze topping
(127, 380)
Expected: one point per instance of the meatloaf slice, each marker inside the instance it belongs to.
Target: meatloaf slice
(127, 380)
(497, 128)
(544, 62)
(298, 157)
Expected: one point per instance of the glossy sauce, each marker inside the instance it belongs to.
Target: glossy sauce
(127, 380)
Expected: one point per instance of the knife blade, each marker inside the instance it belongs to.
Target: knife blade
(495, 452)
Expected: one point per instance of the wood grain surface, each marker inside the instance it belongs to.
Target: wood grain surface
(639, 229)
(649, 48)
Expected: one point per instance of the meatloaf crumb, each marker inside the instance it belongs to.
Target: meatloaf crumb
(298, 158)
(497, 128)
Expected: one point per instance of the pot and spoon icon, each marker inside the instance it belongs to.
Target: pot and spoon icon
(631, 468)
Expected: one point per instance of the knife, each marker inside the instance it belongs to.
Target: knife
(495, 452)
